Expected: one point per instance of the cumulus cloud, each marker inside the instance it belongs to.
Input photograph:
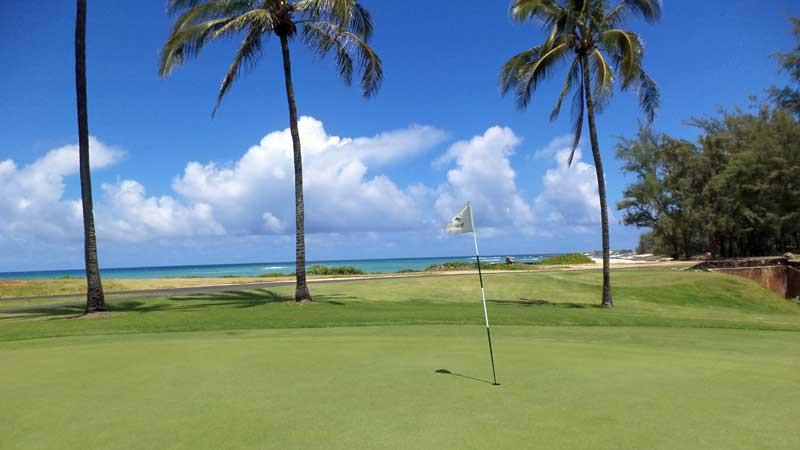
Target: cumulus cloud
(31, 203)
(569, 198)
(483, 175)
(255, 194)
(129, 215)
(567, 202)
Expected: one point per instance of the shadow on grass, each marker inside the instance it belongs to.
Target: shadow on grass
(35, 312)
(222, 300)
(529, 302)
(461, 375)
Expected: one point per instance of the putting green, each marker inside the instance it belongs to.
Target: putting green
(376, 387)
(686, 361)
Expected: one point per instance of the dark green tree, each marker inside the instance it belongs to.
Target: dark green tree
(586, 36)
(736, 192)
(661, 197)
(340, 27)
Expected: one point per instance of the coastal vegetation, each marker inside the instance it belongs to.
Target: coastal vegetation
(588, 36)
(734, 192)
(555, 260)
(567, 258)
(321, 269)
(339, 27)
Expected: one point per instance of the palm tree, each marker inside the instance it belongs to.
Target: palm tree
(587, 34)
(342, 27)
(95, 299)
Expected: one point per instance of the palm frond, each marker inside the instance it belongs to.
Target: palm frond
(351, 50)
(201, 21)
(603, 80)
(247, 55)
(508, 73)
(547, 11)
(196, 11)
(572, 75)
(626, 50)
(187, 42)
(347, 14)
(258, 20)
(649, 96)
(361, 22)
(578, 108)
(649, 10)
(532, 73)
(525, 75)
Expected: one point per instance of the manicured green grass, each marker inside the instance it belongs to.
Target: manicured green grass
(376, 388)
(687, 360)
(665, 298)
(64, 286)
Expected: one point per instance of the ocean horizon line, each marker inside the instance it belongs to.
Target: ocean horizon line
(261, 268)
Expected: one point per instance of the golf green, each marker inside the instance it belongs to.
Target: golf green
(378, 387)
(685, 361)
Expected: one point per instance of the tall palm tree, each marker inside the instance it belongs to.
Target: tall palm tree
(95, 299)
(586, 34)
(342, 27)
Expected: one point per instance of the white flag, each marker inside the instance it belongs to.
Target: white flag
(461, 223)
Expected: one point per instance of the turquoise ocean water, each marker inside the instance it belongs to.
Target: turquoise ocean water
(255, 269)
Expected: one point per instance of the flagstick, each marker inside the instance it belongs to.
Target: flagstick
(483, 296)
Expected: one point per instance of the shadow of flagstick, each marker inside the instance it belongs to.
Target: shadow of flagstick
(447, 372)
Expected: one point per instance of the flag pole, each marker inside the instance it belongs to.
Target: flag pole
(483, 297)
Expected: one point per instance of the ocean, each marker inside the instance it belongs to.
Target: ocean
(256, 269)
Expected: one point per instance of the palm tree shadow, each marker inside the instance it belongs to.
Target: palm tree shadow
(220, 300)
(461, 375)
(538, 302)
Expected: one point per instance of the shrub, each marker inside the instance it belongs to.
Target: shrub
(321, 269)
(452, 265)
(567, 258)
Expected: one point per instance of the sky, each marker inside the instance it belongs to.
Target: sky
(174, 186)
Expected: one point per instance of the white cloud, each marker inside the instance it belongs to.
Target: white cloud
(554, 146)
(31, 203)
(483, 175)
(569, 199)
(255, 195)
(127, 214)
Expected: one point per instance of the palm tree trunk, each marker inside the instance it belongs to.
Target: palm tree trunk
(95, 299)
(601, 184)
(301, 291)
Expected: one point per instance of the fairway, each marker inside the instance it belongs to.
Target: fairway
(686, 361)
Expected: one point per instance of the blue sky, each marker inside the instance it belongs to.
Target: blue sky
(440, 92)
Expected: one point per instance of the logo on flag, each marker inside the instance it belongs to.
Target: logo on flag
(462, 222)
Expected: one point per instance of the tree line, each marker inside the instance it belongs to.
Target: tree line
(734, 192)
